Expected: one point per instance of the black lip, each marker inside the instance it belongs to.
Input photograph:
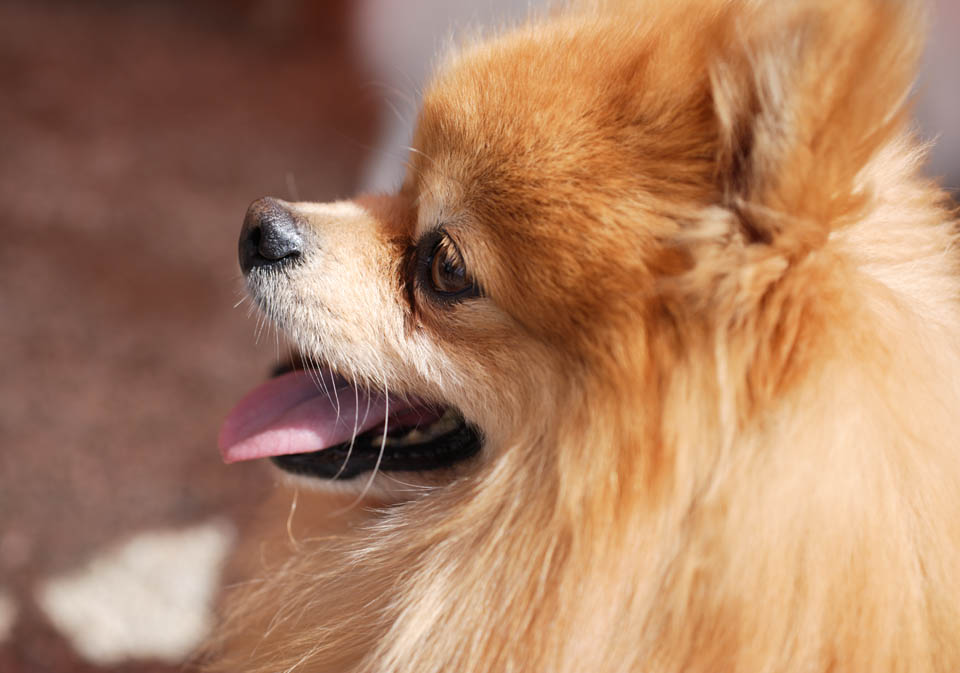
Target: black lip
(340, 462)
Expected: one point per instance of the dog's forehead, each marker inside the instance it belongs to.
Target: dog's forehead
(488, 144)
(565, 116)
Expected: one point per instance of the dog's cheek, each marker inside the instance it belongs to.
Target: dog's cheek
(498, 375)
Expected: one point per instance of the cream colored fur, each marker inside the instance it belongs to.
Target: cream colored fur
(717, 363)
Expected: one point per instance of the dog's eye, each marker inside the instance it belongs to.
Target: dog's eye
(443, 271)
(448, 274)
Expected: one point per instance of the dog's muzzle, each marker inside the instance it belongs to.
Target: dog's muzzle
(312, 422)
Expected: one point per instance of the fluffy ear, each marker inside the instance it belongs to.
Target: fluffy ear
(806, 93)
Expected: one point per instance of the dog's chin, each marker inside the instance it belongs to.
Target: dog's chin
(410, 443)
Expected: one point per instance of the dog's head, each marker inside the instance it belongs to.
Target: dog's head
(578, 192)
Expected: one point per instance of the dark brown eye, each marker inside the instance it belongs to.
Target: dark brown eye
(442, 271)
(448, 274)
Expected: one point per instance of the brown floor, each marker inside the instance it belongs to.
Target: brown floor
(132, 137)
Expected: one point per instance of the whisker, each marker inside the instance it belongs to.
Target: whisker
(292, 356)
(313, 371)
(383, 441)
(322, 379)
(386, 89)
(292, 186)
(258, 329)
(395, 110)
(414, 150)
(383, 446)
(356, 425)
(366, 413)
(333, 384)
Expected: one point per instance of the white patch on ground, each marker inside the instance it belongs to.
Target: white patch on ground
(8, 615)
(149, 598)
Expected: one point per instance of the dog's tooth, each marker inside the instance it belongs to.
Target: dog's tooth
(418, 435)
(415, 436)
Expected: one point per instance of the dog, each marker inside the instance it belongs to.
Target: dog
(652, 363)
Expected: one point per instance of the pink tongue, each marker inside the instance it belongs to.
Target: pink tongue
(292, 414)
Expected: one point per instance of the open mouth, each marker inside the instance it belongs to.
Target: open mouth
(317, 424)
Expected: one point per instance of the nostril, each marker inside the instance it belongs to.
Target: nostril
(278, 237)
(255, 237)
(270, 235)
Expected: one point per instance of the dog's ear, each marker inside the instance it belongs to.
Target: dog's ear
(806, 93)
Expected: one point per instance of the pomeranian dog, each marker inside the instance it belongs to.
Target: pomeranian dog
(651, 364)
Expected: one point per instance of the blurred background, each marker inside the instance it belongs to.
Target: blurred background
(133, 135)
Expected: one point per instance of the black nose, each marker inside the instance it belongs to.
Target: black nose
(270, 236)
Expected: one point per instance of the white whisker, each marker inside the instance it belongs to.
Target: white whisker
(319, 379)
(356, 426)
(383, 446)
(383, 440)
(386, 89)
(258, 329)
(333, 384)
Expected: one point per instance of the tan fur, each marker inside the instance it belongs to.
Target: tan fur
(717, 364)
